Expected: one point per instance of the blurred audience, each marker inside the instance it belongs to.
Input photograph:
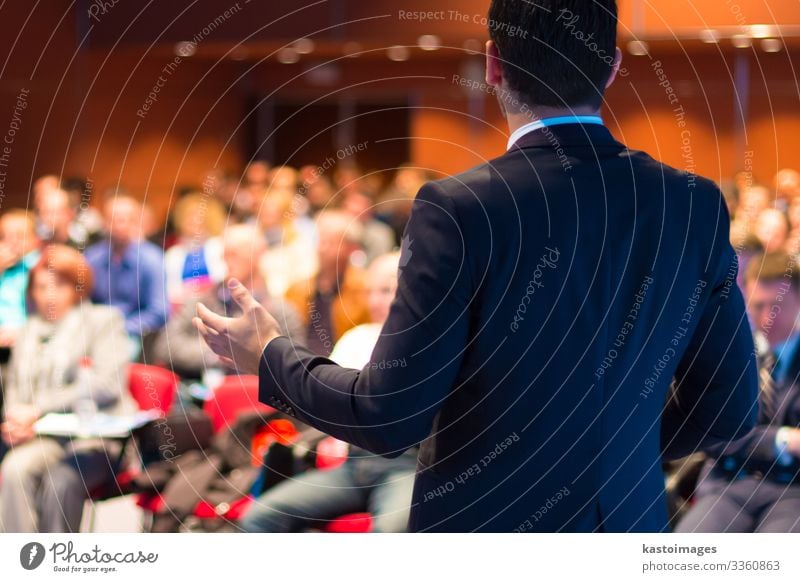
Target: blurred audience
(44, 184)
(332, 301)
(180, 347)
(129, 272)
(88, 222)
(772, 229)
(365, 482)
(377, 238)
(787, 187)
(247, 197)
(746, 250)
(394, 205)
(58, 220)
(316, 189)
(751, 485)
(195, 263)
(752, 202)
(46, 480)
(299, 240)
(290, 257)
(19, 252)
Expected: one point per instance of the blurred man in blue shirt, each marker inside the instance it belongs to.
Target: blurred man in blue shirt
(129, 272)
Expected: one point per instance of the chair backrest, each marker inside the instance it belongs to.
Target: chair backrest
(331, 453)
(152, 387)
(236, 394)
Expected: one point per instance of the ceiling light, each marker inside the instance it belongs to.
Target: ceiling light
(762, 30)
(185, 49)
(709, 36)
(772, 45)
(398, 53)
(239, 53)
(288, 56)
(429, 42)
(741, 41)
(638, 48)
(303, 45)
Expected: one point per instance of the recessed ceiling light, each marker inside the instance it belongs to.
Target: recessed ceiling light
(709, 36)
(239, 53)
(762, 30)
(398, 53)
(185, 48)
(771, 45)
(638, 48)
(288, 56)
(741, 41)
(303, 46)
(429, 42)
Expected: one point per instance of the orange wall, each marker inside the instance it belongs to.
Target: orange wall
(639, 113)
(195, 123)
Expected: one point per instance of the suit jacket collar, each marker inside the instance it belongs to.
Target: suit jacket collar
(567, 135)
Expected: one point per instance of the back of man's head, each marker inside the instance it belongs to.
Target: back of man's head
(555, 53)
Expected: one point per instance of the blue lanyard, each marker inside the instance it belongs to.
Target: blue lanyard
(550, 121)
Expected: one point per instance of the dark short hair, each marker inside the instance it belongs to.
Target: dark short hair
(561, 52)
(772, 268)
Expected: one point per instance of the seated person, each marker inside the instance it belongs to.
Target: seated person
(333, 301)
(195, 263)
(365, 482)
(58, 220)
(180, 346)
(129, 272)
(45, 480)
(377, 237)
(752, 484)
(290, 236)
(19, 251)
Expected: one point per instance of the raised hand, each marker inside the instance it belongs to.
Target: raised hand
(238, 341)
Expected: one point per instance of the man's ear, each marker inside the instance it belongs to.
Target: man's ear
(494, 69)
(615, 67)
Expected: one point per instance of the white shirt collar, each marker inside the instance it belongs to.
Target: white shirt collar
(548, 121)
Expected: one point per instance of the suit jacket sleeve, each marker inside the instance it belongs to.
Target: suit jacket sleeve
(390, 404)
(715, 395)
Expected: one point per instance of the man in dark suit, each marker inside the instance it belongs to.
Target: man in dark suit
(753, 484)
(546, 300)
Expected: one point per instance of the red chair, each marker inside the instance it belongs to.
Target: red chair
(152, 388)
(235, 395)
(332, 453)
(350, 523)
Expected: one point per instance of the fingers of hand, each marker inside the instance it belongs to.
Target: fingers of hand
(241, 295)
(202, 328)
(211, 320)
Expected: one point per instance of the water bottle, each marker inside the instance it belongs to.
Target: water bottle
(85, 407)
